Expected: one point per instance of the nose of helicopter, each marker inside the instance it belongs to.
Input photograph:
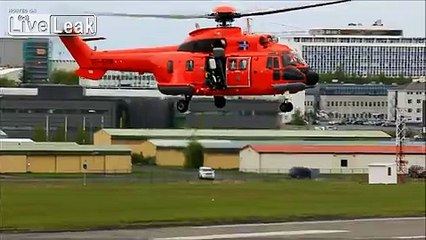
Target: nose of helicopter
(312, 77)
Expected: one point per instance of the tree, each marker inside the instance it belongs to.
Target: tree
(59, 134)
(5, 82)
(39, 134)
(194, 155)
(64, 77)
(297, 118)
(339, 73)
(82, 136)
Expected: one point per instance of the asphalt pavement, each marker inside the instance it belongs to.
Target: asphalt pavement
(384, 228)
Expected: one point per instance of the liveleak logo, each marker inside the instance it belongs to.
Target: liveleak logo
(49, 24)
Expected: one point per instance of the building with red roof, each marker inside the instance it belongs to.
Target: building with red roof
(280, 158)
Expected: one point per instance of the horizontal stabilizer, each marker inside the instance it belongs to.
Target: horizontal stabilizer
(87, 39)
(94, 74)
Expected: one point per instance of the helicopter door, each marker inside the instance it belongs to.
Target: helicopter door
(238, 72)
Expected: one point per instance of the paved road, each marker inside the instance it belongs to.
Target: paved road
(387, 228)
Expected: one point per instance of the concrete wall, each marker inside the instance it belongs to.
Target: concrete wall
(148, 149)
(250, 114)
(219, 160)
(101, 138)
(135, 145)
(13, 164)
(170, 157)
(249, 160)
(11, 52)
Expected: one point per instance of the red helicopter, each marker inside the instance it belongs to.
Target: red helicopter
(216, 61)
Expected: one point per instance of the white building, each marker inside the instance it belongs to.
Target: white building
(13, 74)
(382, 173)
(63, 64)
(326, 158)
(362, 50)
(350, 101)
(410, 100)
(118, 79)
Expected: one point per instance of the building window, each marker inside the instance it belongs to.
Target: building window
(343, 163)
(389, 171)
(410, 100)
(410, 110)
(418, 110)
(328, 104)
(419, 101)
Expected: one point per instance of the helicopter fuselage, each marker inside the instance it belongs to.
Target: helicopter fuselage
(252, 64)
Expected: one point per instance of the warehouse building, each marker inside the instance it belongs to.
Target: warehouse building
(218, 154)
(135, 137)
(326, 158)
(51, 157)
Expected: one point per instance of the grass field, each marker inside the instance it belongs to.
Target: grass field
(60, 205)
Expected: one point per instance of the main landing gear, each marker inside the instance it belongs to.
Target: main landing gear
(286, 106)
(183, 104)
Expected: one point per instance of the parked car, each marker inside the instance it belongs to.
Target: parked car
(300, 172)
(206, 173)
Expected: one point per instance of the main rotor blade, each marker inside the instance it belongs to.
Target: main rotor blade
(289, 9)
(137, 15)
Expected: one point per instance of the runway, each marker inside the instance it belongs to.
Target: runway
(384, 228)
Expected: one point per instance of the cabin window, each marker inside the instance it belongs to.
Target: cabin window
(269, 63)
(189, 65)
(243, 64)
(276, 63)
(232, 64)
(170, 66)
(344, 163)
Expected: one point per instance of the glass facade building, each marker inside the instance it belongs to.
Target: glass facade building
(36, 54)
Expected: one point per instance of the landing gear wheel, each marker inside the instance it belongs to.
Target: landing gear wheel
(219, 102)
(182, 105)
(286, 107)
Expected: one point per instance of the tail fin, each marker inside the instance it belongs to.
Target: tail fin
(82, 53)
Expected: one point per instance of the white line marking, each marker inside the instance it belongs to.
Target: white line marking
(411, 237)
(251, 235)
(311, 222)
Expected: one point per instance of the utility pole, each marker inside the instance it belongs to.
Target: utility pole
(400, 138)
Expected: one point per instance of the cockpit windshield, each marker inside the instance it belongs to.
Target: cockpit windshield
(293, 58)
(298, 56)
